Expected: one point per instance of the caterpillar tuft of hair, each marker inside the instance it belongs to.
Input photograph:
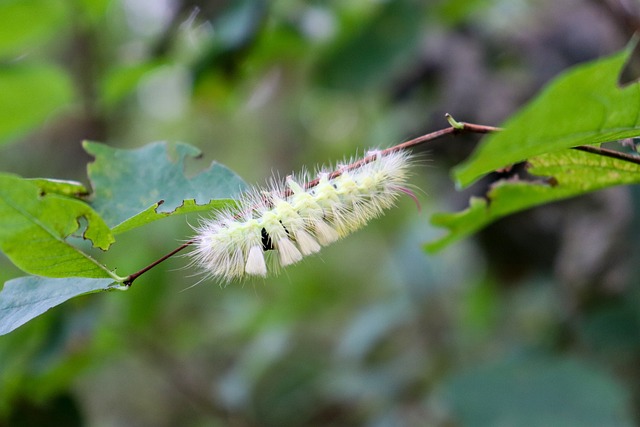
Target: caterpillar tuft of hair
(277, 226)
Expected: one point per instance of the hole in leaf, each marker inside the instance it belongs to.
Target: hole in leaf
(631, 71)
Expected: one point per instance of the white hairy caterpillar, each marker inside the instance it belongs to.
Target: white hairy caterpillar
(275, 227)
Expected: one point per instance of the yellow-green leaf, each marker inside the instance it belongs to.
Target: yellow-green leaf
(574, 172)
(583, 106)
(34, 226)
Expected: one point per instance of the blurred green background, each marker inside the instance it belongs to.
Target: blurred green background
(534, 322)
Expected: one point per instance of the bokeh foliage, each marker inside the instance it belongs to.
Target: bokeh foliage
(373, 331)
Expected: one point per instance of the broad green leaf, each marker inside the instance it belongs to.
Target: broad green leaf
(25, 23)
(30, 94)
(536, 391)
(135, 187)
(24, 298)
(574, 172)
(34, 226)
(583, 106)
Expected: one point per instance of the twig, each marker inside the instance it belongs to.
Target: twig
(461, 127)
(128, 281)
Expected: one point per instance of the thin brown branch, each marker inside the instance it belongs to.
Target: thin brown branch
(130, 278)
(462, 128)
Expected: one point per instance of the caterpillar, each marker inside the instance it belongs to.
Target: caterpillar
(277, 225)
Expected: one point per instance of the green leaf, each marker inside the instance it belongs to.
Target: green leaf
(574, 172)
(24, 298)
(25, 23)
(34, 226)
(136, 187)
(30, 94)
(534, 391)
(582, 106)
(152, 214)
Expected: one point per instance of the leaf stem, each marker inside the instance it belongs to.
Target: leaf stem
(128, 281)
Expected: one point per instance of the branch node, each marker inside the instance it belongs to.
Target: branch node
(453, 122)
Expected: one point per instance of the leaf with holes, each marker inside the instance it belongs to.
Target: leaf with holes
(135, 187)
(34, 226)
(582, 106)
(574, 173)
